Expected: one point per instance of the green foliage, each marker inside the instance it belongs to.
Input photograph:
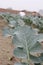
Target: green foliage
(38, 22)
(25, 38)
(27, 43)
(7, 31)
(27, 21)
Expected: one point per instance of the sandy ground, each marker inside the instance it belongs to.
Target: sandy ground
(6, 49)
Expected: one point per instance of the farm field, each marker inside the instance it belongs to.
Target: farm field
(17, 38)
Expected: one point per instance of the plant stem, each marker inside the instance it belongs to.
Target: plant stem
(28, 58)
(28, 53)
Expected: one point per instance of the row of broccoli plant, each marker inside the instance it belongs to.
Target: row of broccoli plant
(14, 19)
(26, 39)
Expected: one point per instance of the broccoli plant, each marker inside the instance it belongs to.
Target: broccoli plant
(37, 23)
(27, 44)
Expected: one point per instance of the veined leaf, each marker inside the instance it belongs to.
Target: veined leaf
(20, 52)
(22, 35)
(26, 34)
